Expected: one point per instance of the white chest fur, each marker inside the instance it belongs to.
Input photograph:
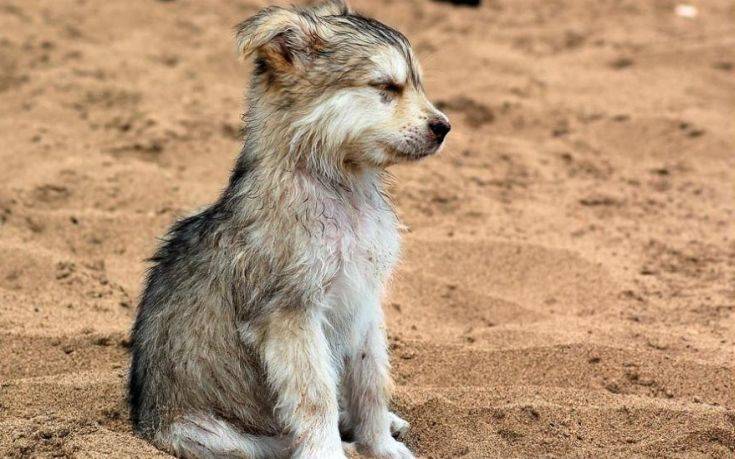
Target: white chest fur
(367, 247)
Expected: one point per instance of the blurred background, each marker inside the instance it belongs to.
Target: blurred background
(568, 283)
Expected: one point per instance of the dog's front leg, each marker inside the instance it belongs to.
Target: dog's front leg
(368, 387)
(299, 370)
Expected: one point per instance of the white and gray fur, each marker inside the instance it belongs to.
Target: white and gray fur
(260, 331)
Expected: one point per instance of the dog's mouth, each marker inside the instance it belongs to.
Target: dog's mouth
(412, 154)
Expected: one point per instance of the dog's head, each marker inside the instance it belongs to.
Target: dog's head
(345, 87)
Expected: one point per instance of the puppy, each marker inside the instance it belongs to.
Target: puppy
(260, 331)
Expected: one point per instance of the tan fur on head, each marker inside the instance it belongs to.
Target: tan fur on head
(286, 32)
(276, 31)
(332, 8)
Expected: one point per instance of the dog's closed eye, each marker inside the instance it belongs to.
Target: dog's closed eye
(390, 87)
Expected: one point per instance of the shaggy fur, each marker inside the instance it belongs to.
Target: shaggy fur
(260, 331)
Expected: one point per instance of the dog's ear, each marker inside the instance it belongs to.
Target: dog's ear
(331, 8)
(284, 37)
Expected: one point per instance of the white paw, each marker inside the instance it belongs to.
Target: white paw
(398, 427)
(388, 448)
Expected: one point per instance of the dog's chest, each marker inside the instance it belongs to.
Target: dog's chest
(366, 244)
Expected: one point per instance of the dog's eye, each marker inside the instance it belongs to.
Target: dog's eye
(393, 87)
(390, 87)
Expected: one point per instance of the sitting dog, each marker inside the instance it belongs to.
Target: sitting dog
(260, 331)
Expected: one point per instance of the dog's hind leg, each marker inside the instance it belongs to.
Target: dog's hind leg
(204, 436)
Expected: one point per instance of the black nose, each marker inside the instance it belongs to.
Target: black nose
(439, 128)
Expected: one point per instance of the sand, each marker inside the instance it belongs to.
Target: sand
(568, 279)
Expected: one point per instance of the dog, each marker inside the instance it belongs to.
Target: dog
(259, 332)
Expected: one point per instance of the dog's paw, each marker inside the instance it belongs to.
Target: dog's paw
(388, 448)
(398, 427)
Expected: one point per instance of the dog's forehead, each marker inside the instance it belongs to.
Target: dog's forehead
(392, 63)
(385, 48)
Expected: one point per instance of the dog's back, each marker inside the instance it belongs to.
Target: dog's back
(186, 354)
(190, 370)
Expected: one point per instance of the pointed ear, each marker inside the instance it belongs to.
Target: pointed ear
(281, 35)
(331, 8)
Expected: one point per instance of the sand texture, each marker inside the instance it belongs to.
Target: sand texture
(568, 279)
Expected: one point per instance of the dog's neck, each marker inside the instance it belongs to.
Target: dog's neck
(270, 170)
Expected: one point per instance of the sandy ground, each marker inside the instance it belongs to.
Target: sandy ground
(568, 284)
